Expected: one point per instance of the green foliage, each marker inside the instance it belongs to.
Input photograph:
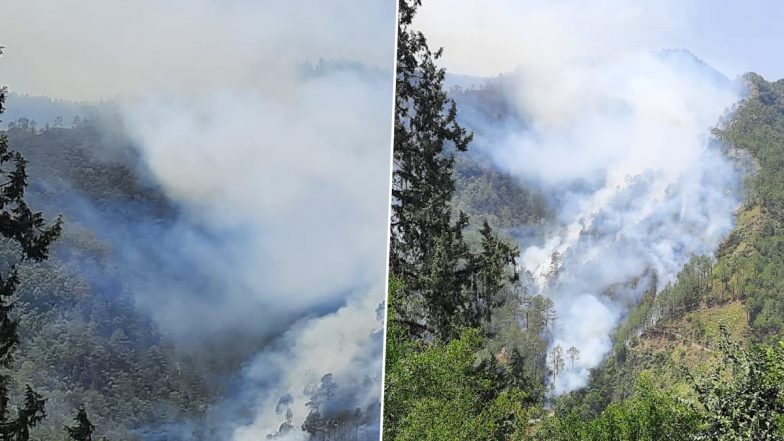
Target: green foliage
(485, 193)
(28, 230)
(749, 264)
(744, 396)
(650, 414)
(82, 339)
(455, 367)
(438, 391)
(450, 286)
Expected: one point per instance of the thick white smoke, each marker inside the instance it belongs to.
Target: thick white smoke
(618, 132)
(279, 161)
(343, 343)
(645, 190)
(293, 180)
(299, 184)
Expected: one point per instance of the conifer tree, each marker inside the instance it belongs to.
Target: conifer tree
(28, 229)
(491, 270)
(83, 430)
(427, 249)
(556, 361)
(574, 354)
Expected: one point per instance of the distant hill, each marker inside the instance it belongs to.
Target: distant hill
(45, 110)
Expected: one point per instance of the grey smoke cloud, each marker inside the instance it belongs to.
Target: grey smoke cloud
(278, 161)
(618, 132)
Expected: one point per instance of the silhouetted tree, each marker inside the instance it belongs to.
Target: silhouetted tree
(83, 430)
(492, 269)
(574, 354)
(28, 229)
(556, 361)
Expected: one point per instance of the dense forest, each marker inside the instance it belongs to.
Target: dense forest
(467, 342)
(90, 350)
(82, 341)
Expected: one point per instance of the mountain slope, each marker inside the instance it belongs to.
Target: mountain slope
(675, 334)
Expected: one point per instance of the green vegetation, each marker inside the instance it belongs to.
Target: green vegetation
(750, 264)
(677, 336)
(452, 304)
(83, 429)
(438, 391)
(740, 399)
(466, 343)
(82, 342)
(649, 414)
(28, 231)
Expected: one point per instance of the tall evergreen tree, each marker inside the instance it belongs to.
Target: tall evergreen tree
(427, 248)
(83, 430)
(28, 229)
(491, 269)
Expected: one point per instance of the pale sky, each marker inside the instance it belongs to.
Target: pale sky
(102, 49)
(740, 36)
(62, 55)
(495, 36)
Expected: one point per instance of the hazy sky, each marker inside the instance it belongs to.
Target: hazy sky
(98, 49)
(733, 36)
(740, 36)
(486, 38)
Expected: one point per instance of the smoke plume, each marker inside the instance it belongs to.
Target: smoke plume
(267, 125)
(617, 132)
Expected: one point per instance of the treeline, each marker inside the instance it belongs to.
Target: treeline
(482, 191)
(330, 420)
(694, 287)
(485, 193)
(32, 236)
(82, 342)
(749, 265)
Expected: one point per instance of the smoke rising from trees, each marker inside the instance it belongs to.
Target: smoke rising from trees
(617, 132)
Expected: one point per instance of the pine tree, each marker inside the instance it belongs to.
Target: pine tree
(314, 424)
(83, 430)
(574, 354)
(492, 269)
(28, 229)
(557, 361)
(522, 379)
(428, 252)
(327, 388)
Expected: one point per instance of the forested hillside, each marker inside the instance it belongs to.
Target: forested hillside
(83, 341)
(482, 190)
(469, 351)
(89, 337)
(735, 295)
